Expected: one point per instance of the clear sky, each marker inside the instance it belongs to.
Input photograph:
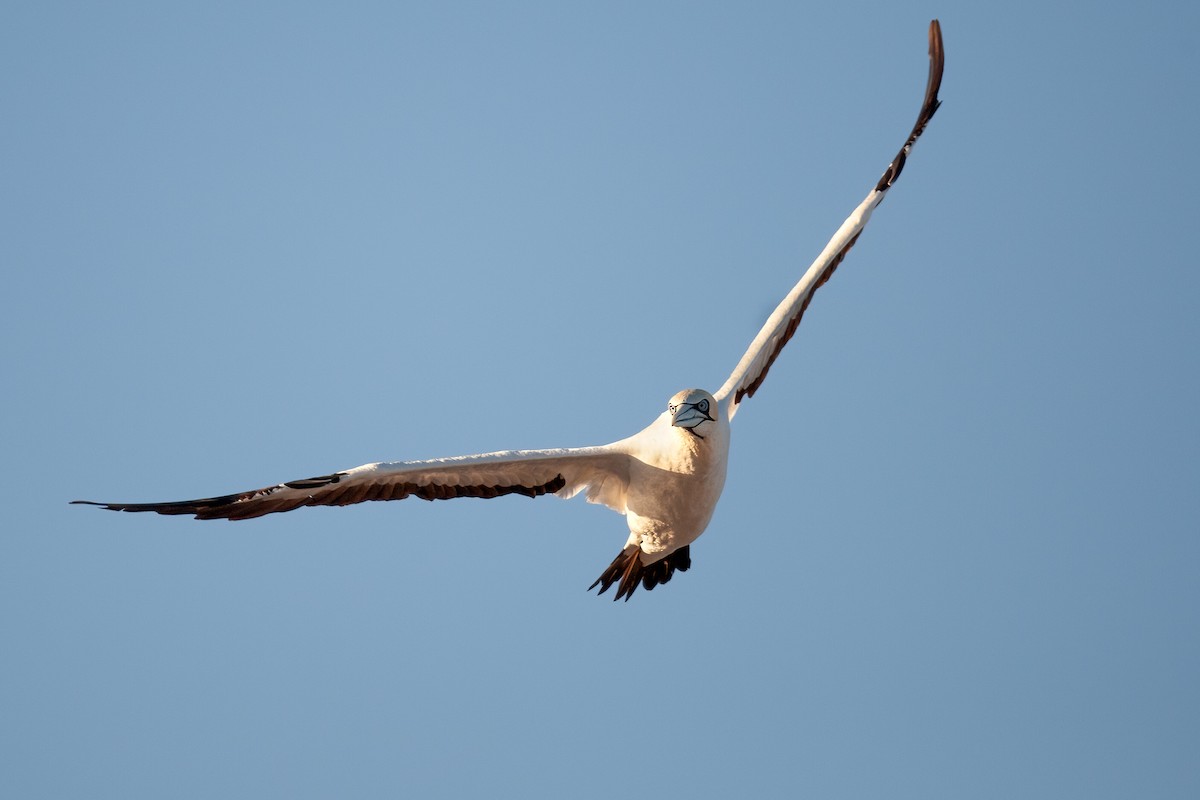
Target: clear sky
(958, 551)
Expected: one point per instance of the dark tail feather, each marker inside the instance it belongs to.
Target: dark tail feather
(627, 571)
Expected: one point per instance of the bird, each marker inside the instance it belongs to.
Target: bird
(666, 479)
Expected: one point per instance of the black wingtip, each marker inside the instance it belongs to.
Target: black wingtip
(937, 64)
(105, 506)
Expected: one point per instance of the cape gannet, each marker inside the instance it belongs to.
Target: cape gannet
(666, 479)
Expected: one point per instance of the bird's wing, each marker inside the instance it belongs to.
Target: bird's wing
(601, 472)
(765, 348)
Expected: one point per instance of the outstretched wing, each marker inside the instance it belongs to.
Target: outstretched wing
(601, 472)
(781, 325)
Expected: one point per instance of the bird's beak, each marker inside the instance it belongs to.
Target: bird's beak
(686, 415)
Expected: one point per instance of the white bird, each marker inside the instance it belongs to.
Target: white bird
(666, 479)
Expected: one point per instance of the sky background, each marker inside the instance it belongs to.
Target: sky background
(958, 551)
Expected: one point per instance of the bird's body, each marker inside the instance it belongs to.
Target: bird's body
(675, 480)
(666, 479)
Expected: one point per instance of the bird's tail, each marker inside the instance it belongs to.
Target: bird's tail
(627, 571)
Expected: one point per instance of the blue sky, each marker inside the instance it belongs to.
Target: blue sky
(957, 552)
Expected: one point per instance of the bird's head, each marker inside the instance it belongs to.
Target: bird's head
(693, 410)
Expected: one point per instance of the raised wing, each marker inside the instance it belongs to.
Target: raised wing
(601, 472)
(781, 325)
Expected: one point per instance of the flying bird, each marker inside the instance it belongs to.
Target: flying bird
(666, 479)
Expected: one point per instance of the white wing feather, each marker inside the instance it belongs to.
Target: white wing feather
(602, 473)
(781, 325)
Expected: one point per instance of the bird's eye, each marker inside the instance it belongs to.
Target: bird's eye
(703, 406)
